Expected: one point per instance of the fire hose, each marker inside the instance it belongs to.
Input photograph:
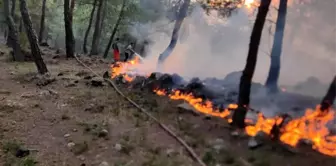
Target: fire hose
(164, 127)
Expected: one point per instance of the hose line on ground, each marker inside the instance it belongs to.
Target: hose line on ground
(164, 127)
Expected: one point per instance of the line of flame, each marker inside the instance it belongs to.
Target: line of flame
(311, 126)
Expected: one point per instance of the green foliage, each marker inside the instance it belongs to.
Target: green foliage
(54, 20)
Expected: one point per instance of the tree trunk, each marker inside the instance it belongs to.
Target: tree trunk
(103, 20)
(97, 30)
(12, 13)
(115, 28)
(274, 72)
(21, 26)
(181, 15)
(40, 38)
(329, 98)
(31, 35)
(72, 8)
(246, 78)
(13, 8)
(13, 34)
(103, 15)
(69, 37)
(87, 32)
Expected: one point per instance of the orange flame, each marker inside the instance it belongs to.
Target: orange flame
(248, 3)
(311, 126)
(205, 107)
(123, 68)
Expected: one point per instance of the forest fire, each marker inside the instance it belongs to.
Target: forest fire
(124, 67)
(248, 3)
(310, 127)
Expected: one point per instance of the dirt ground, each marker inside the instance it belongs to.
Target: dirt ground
(70, 122)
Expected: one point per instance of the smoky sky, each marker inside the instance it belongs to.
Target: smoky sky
(211, 46)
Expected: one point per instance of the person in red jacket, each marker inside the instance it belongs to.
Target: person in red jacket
(116, 52)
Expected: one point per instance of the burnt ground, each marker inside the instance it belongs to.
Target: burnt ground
(69, 122)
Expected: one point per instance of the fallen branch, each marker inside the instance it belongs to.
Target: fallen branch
(164, 127)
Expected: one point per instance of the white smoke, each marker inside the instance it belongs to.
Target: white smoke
(212, 47)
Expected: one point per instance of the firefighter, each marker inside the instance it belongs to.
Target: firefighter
(128, 52)
(116, 52)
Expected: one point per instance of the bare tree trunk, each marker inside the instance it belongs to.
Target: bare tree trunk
(97, 30)
(246, 78)
(274, 72)
(121, 14)
(40, 38)
(329, 98)
(69, 37)
(72, 8)
(103, 16)
(181, 15)
(21, 25)
(31, 35)
(87, 32)
(13, 8)
(12, 13)
(103, 21)
(13, 35)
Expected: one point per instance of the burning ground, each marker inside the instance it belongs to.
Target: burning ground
(313, 126)
(78, 119)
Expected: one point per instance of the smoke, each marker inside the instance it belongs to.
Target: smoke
(212, 47)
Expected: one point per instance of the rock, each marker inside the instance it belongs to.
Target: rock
(97, 82)
(103, 133)
(87, 77)
(169, 152)
(74, 130)
(80, 148)
(20, 153)
(28, 95)
(218, 144)
(257, 141)
(106, 75)
(95, 108)
(252, 143)
(66, 135)
(70, 84)
(219, 141)
(4, 92)
(104, 163)
(71, 145)
(80, 157)
(187, 107)
(60, 51)
(61, 74)
(44, 93)
(53, 92)
(82, 74)
(117, 147)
